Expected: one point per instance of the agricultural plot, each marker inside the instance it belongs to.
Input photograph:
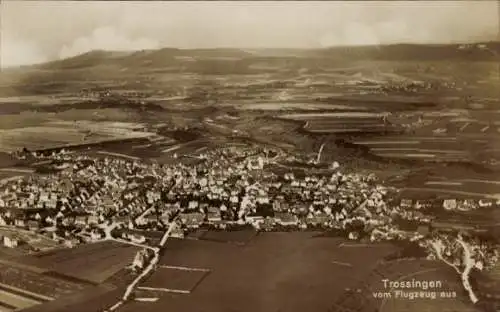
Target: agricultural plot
(10, 301)
(237, 237)
(95, 262)
(174, 279)
(280, 106)
(92, 299)
(36, 283)
(302, 274)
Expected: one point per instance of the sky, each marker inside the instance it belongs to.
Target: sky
(40, 31)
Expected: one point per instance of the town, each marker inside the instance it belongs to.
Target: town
(89, 198)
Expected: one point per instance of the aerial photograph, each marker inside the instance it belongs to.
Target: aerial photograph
(239, 156)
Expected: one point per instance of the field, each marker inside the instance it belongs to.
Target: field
(302, 274)
(174, 279)
(40, 284)
(95, 262)
(54, 132)
(94, 298)
(238, 237)
(299, 274)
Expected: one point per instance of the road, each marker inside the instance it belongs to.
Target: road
(147, 270)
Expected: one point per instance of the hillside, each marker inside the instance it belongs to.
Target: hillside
(151, 69)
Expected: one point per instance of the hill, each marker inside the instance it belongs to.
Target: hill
(150, 69)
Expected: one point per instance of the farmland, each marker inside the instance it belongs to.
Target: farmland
(40, 284)
(174, 279)
(302, 274)
(96, 262)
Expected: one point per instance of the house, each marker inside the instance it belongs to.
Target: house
(266, 224)
(406, 203)
(193, 220)
(450, 204)
(93, 219)
(68, 220)
(19, 222)
(177, 232)
(10, 242)
(319, 219)
(286, 219)
(138, 239)
(139, 259)
(71, 243)
(254, 218)
(33, 225)
(96, 235)
(214, 214)
(81, 220)
(485, 203)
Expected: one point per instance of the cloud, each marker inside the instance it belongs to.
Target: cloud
(16, 52)
(108, 39)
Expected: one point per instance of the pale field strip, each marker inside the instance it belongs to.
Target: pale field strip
(336, 115)
(342, 263)
(443, 183)
(406, 142)
(201, 149)
(171, 149)
(14, 178)
(352, 130)
(168, 290)
(464, 126)
(183, 268)
(356, 245)
(42, 162)
(41, 297)
(147, 299)
(17, 170)
(118, 155)
(142, 146)
(455, 192)
(409, 155)
(16, 300)
(423, 150)
(480, 181)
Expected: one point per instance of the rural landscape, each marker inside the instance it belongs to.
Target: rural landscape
(343, 179)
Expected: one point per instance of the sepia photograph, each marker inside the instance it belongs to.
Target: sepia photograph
(250, 156)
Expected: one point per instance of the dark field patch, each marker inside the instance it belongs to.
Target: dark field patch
(37, 283)
(92, 299)
(273, 272)
(91, 262)
(237, 237)
(176, 279)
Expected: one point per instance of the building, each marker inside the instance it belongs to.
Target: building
(33, 225)
(140, 260)
(214, 214)
(406, 203)
(286, 219)
(10, 242)
(450, 204)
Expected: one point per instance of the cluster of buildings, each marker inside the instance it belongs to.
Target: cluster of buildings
(230, 187)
